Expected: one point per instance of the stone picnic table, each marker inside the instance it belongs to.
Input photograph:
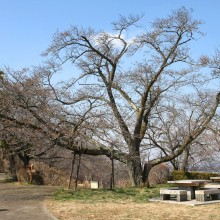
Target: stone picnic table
(190, 185)
(215, 178)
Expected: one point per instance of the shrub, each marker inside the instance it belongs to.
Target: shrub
(181, 175)
(159, 174)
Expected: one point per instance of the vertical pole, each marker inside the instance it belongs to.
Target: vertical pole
(113, 170)
(72, 168)
(77, 172)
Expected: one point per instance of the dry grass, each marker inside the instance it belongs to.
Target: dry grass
(80, 210)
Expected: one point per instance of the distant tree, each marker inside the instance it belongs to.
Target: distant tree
(173, 125)
(32, 122)
(1, 74)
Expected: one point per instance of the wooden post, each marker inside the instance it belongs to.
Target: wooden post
(72, 168)
(112, 185)
(77, 172)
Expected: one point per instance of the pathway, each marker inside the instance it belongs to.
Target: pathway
(23, 202)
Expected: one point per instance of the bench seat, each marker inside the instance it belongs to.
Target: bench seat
(211, 185)
(207, 194)
(181, 195)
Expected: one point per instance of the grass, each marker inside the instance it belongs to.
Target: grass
(123, 204)
(138, 195)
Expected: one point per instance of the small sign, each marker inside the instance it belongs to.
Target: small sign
(94, 184)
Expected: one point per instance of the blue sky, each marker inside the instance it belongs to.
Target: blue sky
(27, 26)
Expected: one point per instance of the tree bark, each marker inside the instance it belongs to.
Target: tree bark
(185, 162)
(12, 167)
(146, 171)
(24, 158)
(135, 169)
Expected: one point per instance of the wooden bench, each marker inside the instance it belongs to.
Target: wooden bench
(181, 195)
(207, 194)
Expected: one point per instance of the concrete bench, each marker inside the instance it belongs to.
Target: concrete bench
(211, 186)
(181, 195)
(207, 194)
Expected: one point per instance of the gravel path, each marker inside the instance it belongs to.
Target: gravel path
(23, 202)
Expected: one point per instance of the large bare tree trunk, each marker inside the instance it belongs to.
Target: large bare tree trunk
(12, 167)
(135, 173)
(146, 171)
(185, 162)
(135, 169)
(25, 159)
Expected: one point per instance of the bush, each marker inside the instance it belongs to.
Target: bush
(46, 175)
(181, 175)
(159, 174)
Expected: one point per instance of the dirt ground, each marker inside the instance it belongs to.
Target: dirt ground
(73, 210)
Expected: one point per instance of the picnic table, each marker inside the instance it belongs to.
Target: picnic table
(214, 184)
(215, 178)
(190, 186)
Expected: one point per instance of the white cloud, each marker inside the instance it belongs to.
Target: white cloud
(113, 37)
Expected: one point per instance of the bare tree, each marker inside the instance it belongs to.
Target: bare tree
(132, 80)
(32, 121)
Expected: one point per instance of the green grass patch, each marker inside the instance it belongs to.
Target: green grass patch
(138, 195)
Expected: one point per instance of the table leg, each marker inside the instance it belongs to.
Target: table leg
(190, 191)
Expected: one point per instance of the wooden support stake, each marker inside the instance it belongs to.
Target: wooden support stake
(71, 172)
(77, 172)
(112, 185)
